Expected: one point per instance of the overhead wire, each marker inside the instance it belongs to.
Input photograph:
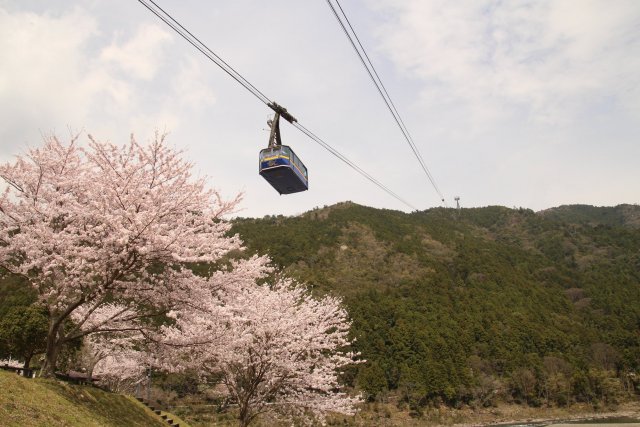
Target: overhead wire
(204, 49)
(165, 17)
(349, 162)
(382, 90)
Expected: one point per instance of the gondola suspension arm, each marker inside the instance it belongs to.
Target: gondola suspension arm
(274, 136)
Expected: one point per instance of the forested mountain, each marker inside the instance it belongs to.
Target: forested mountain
(621, 215)
(471, 307)
(478, 304)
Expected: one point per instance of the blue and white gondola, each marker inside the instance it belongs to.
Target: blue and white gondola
(280, 166)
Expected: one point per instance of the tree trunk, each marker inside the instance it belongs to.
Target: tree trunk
(244, 420)
(90, 373)
(244, 417)
(53, 347)
(26, 372)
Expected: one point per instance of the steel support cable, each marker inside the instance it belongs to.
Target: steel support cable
(357, 168)
(212, 56)
(204, 49)
(397, 115)
(382, 91)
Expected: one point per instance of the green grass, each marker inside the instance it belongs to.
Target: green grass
(39, 402)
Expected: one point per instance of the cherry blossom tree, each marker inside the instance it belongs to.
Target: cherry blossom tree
(106, 234)
(88, 226)
(276, 348)
(117, 351)
(115, 360)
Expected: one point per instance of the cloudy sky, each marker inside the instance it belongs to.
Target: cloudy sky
(518, 103)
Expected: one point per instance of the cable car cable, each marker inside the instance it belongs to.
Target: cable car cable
(381, 88)
(402, 125)
(371, 70)
(357, 168)
(165, 17)
(204, 49)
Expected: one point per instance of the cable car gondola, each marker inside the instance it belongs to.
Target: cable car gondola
(278, 164)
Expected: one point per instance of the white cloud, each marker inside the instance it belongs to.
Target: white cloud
(42, 70)
(141, 55)
(55, 74)
(551, 59)
(191, 88)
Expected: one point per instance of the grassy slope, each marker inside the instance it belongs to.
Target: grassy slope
(39, 402)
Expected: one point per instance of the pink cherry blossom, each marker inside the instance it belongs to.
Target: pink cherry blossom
(277, 349)
(105, 235)
(107, 223)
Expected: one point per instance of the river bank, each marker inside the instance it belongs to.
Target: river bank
(512, 415)
(388, 415)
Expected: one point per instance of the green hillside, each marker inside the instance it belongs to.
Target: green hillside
(38, 402)
(477, 305)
